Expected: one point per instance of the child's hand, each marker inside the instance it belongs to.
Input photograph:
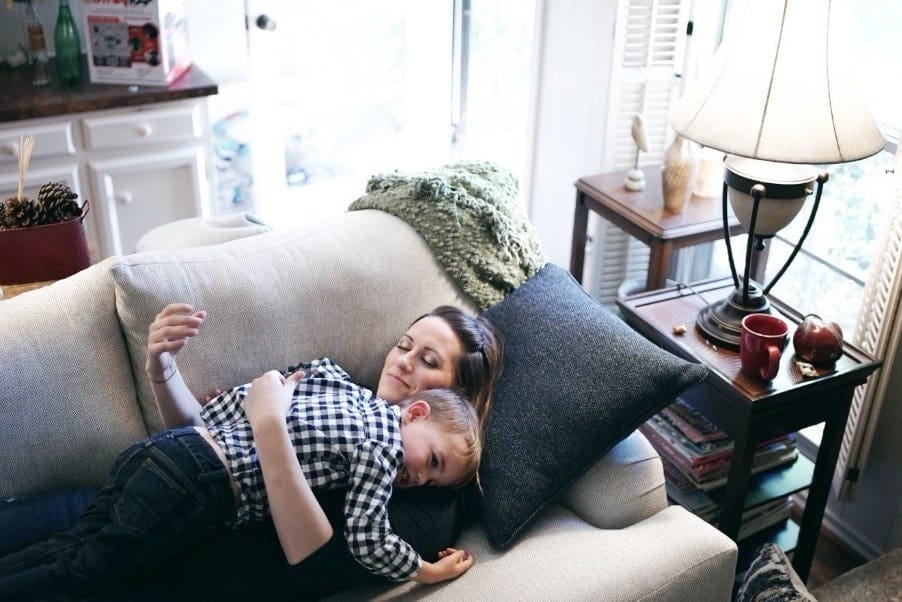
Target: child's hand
(270, 396)
(210, 396)
(451, 563)
(167, 335)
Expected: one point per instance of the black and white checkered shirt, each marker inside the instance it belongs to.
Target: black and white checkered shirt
(343, 435)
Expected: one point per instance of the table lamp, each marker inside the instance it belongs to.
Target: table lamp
(780, 94)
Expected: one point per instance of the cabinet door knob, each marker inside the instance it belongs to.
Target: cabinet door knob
(10, 148)
(124, 197)
(266, 23)
(145, 130)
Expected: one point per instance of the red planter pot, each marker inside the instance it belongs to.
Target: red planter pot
(48, 252)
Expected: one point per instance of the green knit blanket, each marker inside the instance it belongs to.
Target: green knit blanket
(469, 215)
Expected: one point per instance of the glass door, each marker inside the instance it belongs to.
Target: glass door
(336, 92)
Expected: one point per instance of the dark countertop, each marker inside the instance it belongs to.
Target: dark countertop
(20, 100)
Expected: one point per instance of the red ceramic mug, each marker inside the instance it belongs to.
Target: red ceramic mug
(761, 344)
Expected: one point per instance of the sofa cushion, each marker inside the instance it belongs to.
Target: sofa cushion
(576, 380)
(631, 478)
(345, 288)
(201, 231)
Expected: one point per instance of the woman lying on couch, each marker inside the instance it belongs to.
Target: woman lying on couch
(441, 349)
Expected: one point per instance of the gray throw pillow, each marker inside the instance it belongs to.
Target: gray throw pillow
(576, 381)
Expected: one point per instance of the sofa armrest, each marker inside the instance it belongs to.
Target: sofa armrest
(622, 488)
(673, 556)
(67, 392)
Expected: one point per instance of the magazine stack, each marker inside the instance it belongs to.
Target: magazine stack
(696, 456)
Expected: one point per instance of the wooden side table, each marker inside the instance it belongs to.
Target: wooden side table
(642, 216)
(751, 410)
(8, 291)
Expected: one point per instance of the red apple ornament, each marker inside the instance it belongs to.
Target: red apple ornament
(816, 341)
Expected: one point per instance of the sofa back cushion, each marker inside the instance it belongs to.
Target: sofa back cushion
(345, 288)
(67, 395)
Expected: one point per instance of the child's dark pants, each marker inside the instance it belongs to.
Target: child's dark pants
(164, 492)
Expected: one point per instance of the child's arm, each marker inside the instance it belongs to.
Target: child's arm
(368, 532)
(300, 522)
(452, 563)
(166, 336)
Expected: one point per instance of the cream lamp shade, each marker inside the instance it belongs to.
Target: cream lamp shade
(780, 93)
(782, 87)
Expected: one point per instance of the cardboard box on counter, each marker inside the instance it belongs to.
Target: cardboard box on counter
(141, 42)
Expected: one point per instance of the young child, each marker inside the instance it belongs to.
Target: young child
(174, 486)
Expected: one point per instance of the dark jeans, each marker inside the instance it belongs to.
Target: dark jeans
(164, 493)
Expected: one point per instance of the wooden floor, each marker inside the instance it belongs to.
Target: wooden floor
(832, 558)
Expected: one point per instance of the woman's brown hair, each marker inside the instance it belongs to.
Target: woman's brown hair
(480, 363)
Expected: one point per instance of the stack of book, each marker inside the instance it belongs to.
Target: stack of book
(696, 456)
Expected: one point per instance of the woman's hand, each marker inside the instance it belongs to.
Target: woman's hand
(167, 335)
(451, 563)
(270, 396)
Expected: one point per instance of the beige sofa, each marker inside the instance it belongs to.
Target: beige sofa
(73, 395)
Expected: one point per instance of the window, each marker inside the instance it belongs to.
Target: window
(495, 88)
(338, 91)
(829, 275)
(649, 54)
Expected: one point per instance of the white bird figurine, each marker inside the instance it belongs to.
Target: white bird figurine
(635, 178)
(638, 132)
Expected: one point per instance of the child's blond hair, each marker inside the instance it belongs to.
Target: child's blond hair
(455, 415)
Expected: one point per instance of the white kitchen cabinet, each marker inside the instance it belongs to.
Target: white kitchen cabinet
(140, 167)
(133, 194)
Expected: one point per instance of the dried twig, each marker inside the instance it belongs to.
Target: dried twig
(26, 145)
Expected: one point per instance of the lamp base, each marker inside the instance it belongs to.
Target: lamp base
(721, 322)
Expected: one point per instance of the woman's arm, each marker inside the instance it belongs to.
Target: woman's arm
(166, 336)
(300, 522)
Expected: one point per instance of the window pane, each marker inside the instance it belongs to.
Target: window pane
(499, 90)
(879, 51)
(337, 92)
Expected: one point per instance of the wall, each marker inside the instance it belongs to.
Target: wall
(872, 523)
(12, 29)
(574, 69)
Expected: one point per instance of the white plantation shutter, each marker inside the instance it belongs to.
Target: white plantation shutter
(649, 42)
(879, 332)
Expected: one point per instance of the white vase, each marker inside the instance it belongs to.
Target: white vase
(709, 181)
(678, 173)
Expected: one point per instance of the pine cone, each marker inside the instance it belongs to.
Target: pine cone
(56, 202)
(54, 191)
(3, 224)
(21, 212)
(58, 210)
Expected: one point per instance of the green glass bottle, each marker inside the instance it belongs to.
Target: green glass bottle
(69, 67)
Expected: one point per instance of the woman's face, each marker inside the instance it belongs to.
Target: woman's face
(425, 357)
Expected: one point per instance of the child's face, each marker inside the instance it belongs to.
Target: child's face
(431, 455)
(425, 357)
